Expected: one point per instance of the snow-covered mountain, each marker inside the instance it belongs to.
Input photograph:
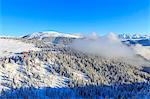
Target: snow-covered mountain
(60, 71)
(50, 34)
(134, 39)
(133, 36)
(37, 68)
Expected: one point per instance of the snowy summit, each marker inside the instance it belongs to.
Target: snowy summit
(48, 34)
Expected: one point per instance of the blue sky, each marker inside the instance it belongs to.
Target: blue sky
(19, 17)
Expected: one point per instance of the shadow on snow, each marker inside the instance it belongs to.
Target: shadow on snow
(134, 90)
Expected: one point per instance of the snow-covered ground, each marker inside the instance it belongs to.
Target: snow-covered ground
(10, 46)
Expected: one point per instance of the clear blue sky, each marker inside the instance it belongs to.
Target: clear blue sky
(19, 17)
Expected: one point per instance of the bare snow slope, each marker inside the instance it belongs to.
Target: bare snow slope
(10, 46)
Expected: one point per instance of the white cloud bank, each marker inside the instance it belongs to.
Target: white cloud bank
(143, 51)
(107, 46)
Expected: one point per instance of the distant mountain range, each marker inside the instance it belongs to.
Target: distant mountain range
(45, 34)
(57, 37)
(133, 36)
(135, 39)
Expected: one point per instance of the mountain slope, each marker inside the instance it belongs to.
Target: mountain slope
(58, 70)
(49, 34)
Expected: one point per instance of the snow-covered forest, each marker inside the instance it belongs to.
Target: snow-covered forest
(37, 68)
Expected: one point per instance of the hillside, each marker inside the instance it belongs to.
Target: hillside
(46, 70)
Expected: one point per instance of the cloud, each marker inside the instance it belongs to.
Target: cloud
(144, 51)
(108, 46)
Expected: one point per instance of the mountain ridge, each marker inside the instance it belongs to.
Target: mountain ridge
(45, 34)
